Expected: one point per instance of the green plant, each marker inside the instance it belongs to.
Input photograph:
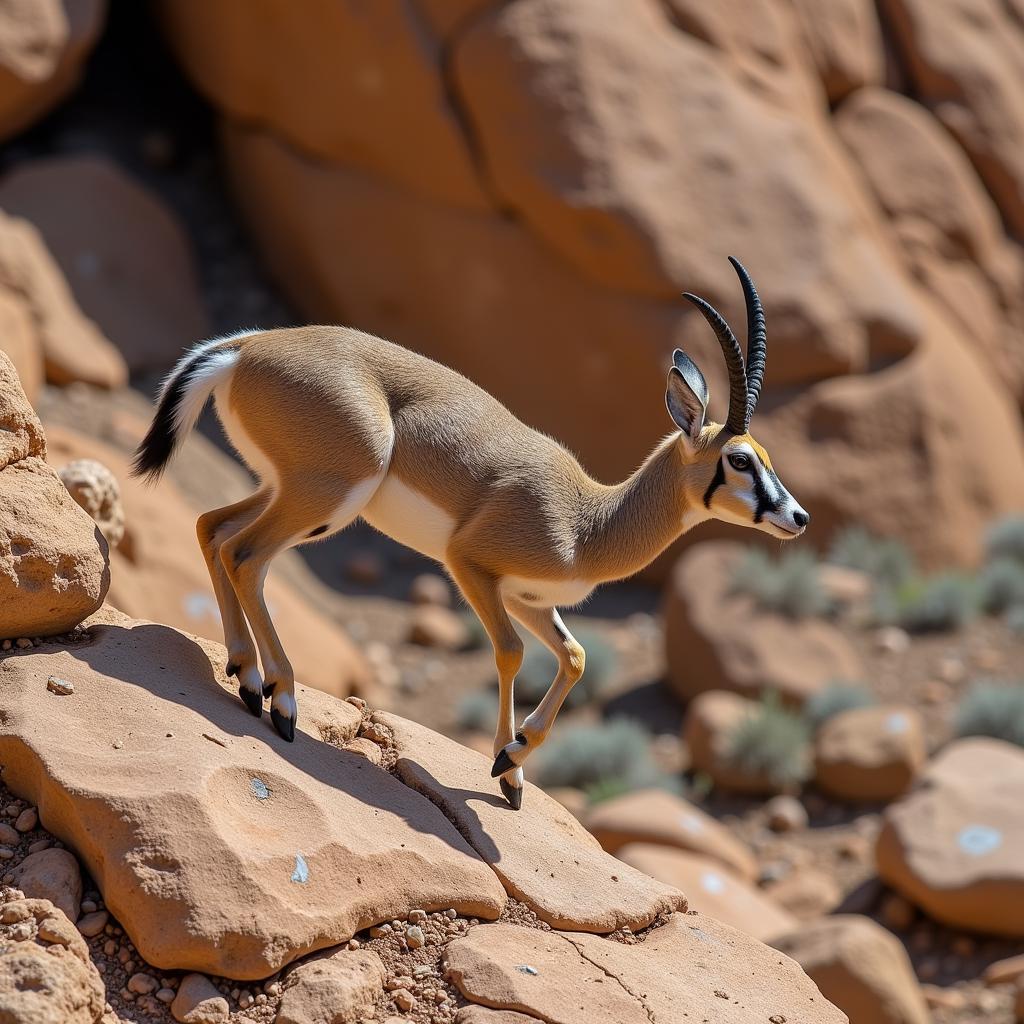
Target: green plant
(1001, 585)
(478, 711)
(540, 667)
(789, 585)
(992, 709)
(603, 760)
(1005, 539)
(837, 696)
(938, 604)
(772, 741)
(888, 562)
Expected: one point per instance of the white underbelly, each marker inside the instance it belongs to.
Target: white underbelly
(547, 593)
(408, 516)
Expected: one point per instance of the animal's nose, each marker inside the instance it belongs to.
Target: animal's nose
(801, 518)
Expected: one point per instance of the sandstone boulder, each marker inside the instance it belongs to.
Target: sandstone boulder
(952, 844)
(277, 849)
(332, 989)
(555, 866)
(46, 976)
(691, 968)
(806, 893)
(19, 341)
(711, 889)
(845, 41)
(860, 967)
(346, 85)
(658, 817)
(72, 346)
(870, 753)
(96, 489)
(53, 875)
(53, 560)
(126, 259)
(159, 573)
(712, 720)
(964, 61)
(943, 218)
(43, 45)
(717, 639)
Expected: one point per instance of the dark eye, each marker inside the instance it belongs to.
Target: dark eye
(739, 461)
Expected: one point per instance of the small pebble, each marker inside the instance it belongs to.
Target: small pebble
(27, 820)
(93, 923)
(352, 944)
(380, 931)
(62, 687)
(23, 643)
(21, 931)
(40, 844)
(6, 853)
(165, 995)
(415, 937)
(142, 984)
(356, 702)
(404, 999)
(417, 916)
(8, 836)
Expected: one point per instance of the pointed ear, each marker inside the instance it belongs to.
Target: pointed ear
(686, 395)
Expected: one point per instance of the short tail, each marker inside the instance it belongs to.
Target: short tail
(182, 397)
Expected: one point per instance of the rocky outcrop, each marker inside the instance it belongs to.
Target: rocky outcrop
(952, 844)
(46, 976)
(691, 968)
(53, 560)
(860, 967)
(870, 753)
(658, 817)
(711, 889)
(38, 300)
(276, 849)
(96, 489)
(555, 866)
(158, 573)
(43, 45)
(575, 170)
(718, 639)
(125, 257)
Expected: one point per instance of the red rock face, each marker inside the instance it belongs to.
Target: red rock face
(523, 190)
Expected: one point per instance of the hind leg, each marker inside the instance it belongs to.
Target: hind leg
(214, 528)
(295, 514)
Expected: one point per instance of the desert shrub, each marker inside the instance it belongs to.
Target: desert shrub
(992, 709)
(540, 666)
(478, 711)
(888, 562)
(789, 585)
(837, 696)
(603, 760)
(1001, 585)
(772, 741)
(937, 604)
(1005, 539)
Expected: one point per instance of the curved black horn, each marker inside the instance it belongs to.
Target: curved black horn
(738, 417)
(757, 337)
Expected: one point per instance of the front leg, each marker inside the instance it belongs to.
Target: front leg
(547, 626)
(481, 591)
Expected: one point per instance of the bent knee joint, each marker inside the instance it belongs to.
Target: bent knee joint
(576, 661)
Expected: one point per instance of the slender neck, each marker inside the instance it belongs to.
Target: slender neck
(627, 525)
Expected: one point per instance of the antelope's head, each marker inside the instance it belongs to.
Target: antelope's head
(728, 474)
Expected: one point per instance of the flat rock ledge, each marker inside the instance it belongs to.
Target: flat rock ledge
(542, 854)
(692, 968)
(217, 846)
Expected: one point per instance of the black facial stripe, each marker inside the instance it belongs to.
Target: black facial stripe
(765, 502)
(716, 481)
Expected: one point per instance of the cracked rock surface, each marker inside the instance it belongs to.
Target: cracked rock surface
(691, 968)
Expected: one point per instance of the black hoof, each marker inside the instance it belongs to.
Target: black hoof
(513, 794)
(268, 690)
(502, 763)
(284, 726)
(233, 668)
(253, 701)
